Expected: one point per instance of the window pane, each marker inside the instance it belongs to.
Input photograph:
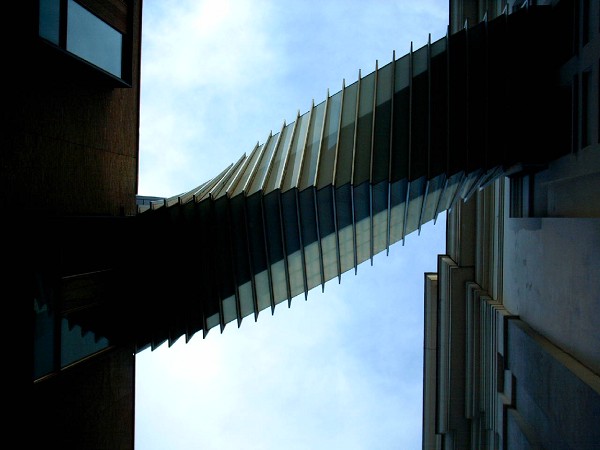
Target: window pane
(49, 20)
(43, 348)
(364, 130)
(313, 145)
(346, 139)
(280, 158)
(93, 40)
(330, 138)
(77, 344)
(296, 152)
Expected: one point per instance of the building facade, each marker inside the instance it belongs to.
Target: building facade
(512, 347)
(68, 176)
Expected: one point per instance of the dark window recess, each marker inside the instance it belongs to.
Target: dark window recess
(521, 195)
(586, 103)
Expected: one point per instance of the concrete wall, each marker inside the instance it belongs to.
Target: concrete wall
(552, 281)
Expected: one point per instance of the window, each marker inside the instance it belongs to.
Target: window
(72, 26)
(57, 342)
(93, 40)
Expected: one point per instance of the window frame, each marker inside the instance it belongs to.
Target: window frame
(70, 66)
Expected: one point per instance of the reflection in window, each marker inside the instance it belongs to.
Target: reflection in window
(77, 344)
(93, 40)
(43, 348)
(87, 36)
(50, 20)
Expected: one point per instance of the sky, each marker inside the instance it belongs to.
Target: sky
(343, 368)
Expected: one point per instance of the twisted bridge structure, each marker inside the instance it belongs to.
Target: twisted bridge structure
(353, 175)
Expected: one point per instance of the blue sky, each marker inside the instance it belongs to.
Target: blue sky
(344, 368)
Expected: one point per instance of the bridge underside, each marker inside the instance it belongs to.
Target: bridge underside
(352, 176)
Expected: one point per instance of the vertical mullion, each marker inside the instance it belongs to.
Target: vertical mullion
(254, 170)
(249, 252)
(238, 306)
(302, 252)
(285, 252)
(270, 164)
(352, 174)
(296, 185)
(213, 273)
(448, 149)
(266, 245)
(319, 244)
(286, 160)
(316, 177)
(410, 119)
(333, 186)
(389, 181)
(262, 206)
(319, 241)
(371, 231)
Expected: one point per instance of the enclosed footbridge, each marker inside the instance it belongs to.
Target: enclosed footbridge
(355, 174)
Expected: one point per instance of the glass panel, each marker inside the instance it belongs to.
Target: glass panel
(265, 162)
(220, 238)
(279, 281)
(415, 203)
(345, 219)
(449, 192)
(327, 228)
(43, 348)
(313, 145)
(330, 266)
(212, 321)
(401, 125)
(75, 344)
(308, 227)
(313, 265)
(380, 232)
(223, 188)
(364, 130)
(296, 150)
(438, 108)
(419, 143)
(383, 117)
(380, 216)
(276, 174)
(242, 181)
(257, 242)
(363, 240)
(346, 145)
(263, 293)
(246, 300)
(457, 102)
(215, 186)
(93, 40)
(398, 204)
(346, 237)
(436, 185)
(362, 218)
(49, 24)
(229, 312)
(330, 137)
(296, 273)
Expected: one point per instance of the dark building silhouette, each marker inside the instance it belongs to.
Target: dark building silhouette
(496, 123)
(68, 177)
